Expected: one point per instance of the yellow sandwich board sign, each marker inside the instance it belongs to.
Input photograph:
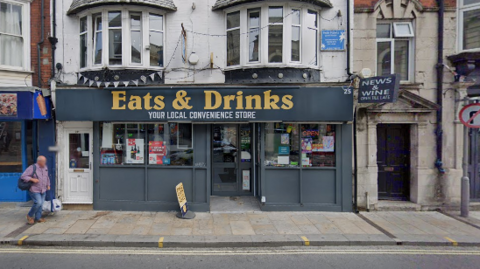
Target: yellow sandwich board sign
(182, 199)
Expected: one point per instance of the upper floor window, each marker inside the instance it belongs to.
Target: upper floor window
(14, 37)
(267, 35)
(469, 24)
(121, 37)
(394, 49)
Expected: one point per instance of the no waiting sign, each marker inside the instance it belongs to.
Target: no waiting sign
(470, 115)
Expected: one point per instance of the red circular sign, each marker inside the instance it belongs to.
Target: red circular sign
(470, 115)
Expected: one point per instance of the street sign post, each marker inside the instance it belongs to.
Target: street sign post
(470, 115)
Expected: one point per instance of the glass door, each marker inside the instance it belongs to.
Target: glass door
(231, 159)
(79, 184)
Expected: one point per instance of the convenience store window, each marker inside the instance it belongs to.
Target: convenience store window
(147, 144)
(299, 145)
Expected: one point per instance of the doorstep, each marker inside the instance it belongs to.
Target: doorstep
(384, 205)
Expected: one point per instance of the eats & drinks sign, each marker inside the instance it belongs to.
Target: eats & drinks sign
(225, 104)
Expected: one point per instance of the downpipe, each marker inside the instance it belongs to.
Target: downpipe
(39, 44)
(440, 68)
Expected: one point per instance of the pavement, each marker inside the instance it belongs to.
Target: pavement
(237, 229)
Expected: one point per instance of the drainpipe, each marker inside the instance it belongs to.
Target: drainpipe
(440, 66)
(53, 39)
(39, 44)
(349, 41)
(351, 78)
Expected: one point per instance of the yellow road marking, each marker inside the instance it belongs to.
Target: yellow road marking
(20, 241)
(305, 239)
(454, 243)
(160, 242)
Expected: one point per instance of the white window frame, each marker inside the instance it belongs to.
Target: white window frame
(252, 29)
(292, 25)
(395, 31)
(84, 33)
(26, 63)
(287, 35)
(126, 37)
(462, 8)
(226, 42)
(411, 51)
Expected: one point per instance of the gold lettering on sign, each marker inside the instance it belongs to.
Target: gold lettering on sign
(159, 104)
(117, 97)
(147, 98)
(287, 102)
(271, 100)
(181, 101)
(258, 101)
(208, 100)
(135, 103)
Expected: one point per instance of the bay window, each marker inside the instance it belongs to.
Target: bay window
(271, 35)
(469, 24)
(275, 34)
(14, 35)
(121, 37)
(394, 49)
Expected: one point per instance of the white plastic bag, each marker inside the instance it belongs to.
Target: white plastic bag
(52, 206)
(56, 205)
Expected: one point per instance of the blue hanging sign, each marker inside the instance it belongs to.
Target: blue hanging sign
(333, 40)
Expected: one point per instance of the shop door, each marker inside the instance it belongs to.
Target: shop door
(232, 159)
(474, 165)
(393, 156)
(78, 183)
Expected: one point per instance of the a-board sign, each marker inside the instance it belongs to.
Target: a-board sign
(470, 116)
(182, 199)
(382, 89)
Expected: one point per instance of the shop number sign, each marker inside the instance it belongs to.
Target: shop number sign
(182, 199)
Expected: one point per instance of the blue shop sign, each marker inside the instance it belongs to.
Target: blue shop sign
(24, 105)
(333, 40)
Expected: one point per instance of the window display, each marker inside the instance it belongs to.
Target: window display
(153, 144)
(281, 144)
(318, 145)
(305, 145)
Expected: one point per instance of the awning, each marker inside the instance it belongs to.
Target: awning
(80, 5)
(221, 4)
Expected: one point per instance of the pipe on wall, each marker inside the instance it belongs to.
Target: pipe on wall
(440, 67)
(40, 43)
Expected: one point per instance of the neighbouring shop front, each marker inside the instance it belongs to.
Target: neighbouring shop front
(127, 148)
(24, 124)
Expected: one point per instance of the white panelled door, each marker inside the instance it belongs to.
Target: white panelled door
(78, 157)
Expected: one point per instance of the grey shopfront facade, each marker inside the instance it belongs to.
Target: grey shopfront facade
(267, 142)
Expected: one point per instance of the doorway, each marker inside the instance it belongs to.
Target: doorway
(232, 159)
(393, 160)
(78, 157)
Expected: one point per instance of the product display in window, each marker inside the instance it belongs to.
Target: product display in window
(281, 145)
(318, 145)
(151, 144)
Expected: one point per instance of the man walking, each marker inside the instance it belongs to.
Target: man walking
(38, 175)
